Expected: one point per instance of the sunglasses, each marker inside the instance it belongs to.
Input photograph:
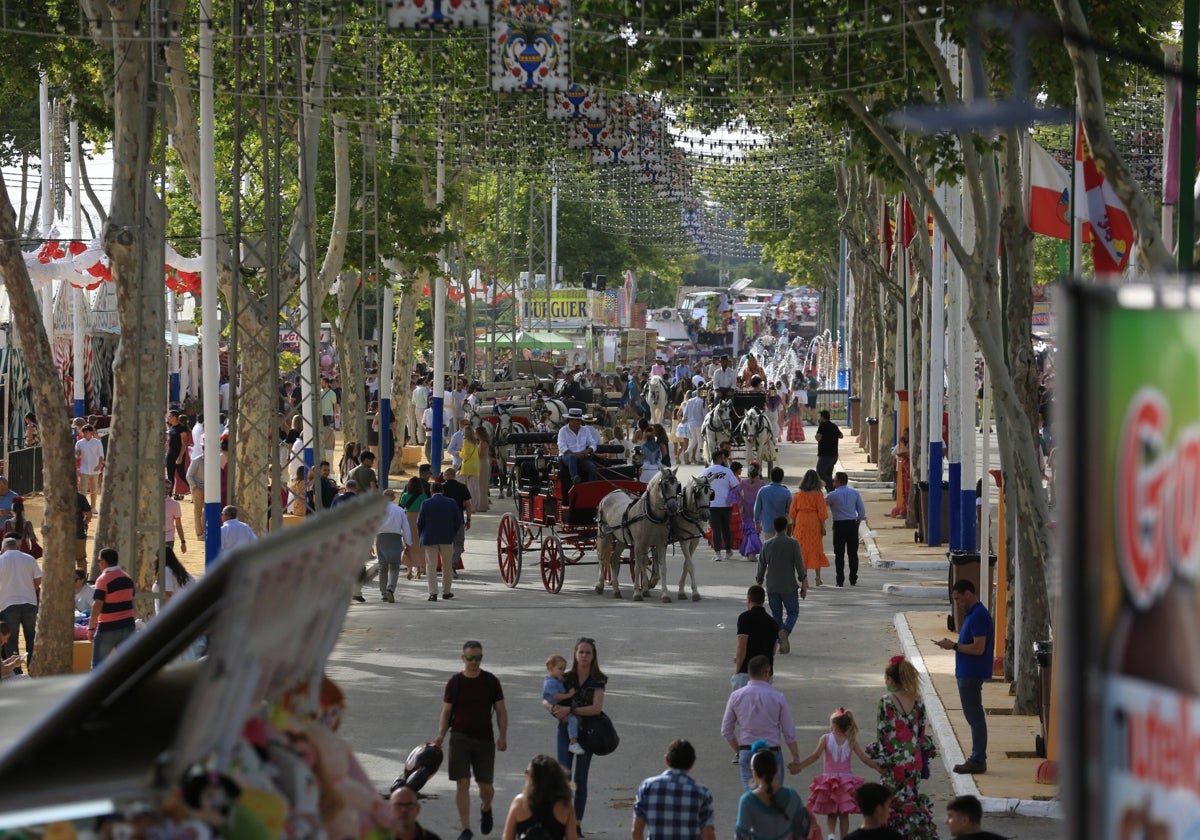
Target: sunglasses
(472, 657)
(585, 639)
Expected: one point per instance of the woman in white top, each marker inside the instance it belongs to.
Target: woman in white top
(171, 577)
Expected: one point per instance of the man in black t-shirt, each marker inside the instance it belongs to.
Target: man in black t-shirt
(757, 634)
(467, 704)
(828, 435)
(454, 489)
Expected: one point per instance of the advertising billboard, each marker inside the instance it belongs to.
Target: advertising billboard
(1129, 541)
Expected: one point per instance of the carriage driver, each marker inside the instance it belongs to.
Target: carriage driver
(577, 445)
(724, 379)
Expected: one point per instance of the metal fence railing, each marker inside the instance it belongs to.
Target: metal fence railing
(834, 401)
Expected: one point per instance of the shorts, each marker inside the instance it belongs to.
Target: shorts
(472, 757)
(89, 482)
(812, 399)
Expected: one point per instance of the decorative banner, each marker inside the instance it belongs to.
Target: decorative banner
(576, 102)
(589, 133)
(438, 14)
(530, 45)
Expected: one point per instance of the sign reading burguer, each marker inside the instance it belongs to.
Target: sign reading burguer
(568, 308)
(1129, 539)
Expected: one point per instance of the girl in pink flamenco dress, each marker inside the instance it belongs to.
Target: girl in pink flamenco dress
(833, 790)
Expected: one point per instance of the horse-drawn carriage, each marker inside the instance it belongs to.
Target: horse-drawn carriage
(553, 516)
(618, 516)
(742, 421)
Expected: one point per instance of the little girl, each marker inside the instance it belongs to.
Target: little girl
(795, 421)
(833, 790)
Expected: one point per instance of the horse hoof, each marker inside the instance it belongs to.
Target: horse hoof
(666, 599)
(637, 596)
(617, 594)
(682, 594)
(599, 589)
(696, 597)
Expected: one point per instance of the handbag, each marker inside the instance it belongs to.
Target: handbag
(597, 734)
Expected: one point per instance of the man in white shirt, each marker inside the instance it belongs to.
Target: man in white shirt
(454, 448)
(393, 536)
(89, 460)
(724, 379)
(420, 402)
(721, 480)
(693, 416)
(577, 445)
(234, 532)
(20, 589)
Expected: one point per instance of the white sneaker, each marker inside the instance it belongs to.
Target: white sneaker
(728, 555)
(575, 749)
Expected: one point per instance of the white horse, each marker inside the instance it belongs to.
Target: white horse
(717, 428)
(557, 409)
(658, 397)
(755, 429)
(501, 433)
(688, 526)
(642, 522)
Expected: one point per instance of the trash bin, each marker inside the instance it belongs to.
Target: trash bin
(854, 409)
(872, 440)
(1043, 652)
(921, 500)
(966, 565)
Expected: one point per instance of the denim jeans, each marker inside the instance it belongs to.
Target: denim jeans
(577, 767)
(781, 601)
(106, 641)
(744, 765)
(970, 694)
(23, 618)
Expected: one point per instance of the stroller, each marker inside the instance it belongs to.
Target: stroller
(419, 767)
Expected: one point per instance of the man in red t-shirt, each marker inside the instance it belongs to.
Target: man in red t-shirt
(467, 705)
(112, 620)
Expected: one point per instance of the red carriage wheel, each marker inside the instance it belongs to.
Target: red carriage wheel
(508, 550)
(552, 565)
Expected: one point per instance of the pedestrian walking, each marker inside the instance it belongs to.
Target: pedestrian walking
(721, 481)
(20, 593)
(757, 635)
(832, 792)
(468, 701)
(781, 570)
(757, 712)
(828, 435)
(589, 684)
(770, 810)
(543, 808)
(808, 513)
(112, 620)
(391, 541)
(847, 510)
(673, 805)
(964, 815)
(438, 523)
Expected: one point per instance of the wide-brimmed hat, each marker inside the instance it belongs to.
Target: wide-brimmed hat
(577, 414)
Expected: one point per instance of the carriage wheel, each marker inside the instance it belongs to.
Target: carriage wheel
(552, 565)
(508, 550)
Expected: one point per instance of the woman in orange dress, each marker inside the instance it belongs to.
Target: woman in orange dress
(808, 514)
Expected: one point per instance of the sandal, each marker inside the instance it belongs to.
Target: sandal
(410, 572)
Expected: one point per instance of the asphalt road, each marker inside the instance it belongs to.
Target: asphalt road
(668, 666)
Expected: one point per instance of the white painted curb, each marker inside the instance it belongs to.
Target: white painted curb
(948, 747)
(901, 590)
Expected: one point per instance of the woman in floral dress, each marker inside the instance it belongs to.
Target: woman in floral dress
(903, 749)
(808, 514)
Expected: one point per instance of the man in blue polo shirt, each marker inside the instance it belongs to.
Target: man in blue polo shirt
(973, 654)
(772, 502)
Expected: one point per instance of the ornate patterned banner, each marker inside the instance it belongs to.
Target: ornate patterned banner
(530, 45)
(444, 14)
(576, 102)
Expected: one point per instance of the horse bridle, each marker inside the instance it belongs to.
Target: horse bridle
(716, 424)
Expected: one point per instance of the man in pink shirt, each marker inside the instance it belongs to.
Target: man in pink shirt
(759, 712)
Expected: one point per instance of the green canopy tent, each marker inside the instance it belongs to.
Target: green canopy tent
(540, 340)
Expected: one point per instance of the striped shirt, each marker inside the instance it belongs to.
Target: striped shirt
(114, 591)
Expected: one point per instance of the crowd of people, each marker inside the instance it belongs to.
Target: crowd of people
(473, 727)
